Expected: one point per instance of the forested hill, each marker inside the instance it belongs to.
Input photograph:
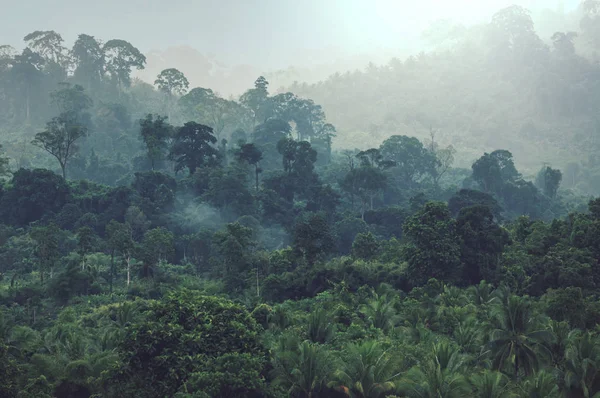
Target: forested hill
(159, 240)
(496, 85)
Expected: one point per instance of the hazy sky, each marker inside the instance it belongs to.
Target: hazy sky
(263, 33)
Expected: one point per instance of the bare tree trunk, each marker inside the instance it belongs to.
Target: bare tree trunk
(256, 175)
(257, 285)
(128, 270)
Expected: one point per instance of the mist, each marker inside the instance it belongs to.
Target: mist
(292, 199)
(224, 45)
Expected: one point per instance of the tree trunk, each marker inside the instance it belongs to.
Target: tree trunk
(257, 285)
(128, 270)
(256, 175)
(112, 269)
(63, 168)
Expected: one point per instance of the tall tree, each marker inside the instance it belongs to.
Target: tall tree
(433, 250)
(495, 169)
(313, 238)
(482, 243)
(4, 164)
(157, 246)
(27, 72)
(48, 44)
(252, 155)
(257, 101)
(89, 60)
(172, 83)
(548, 180)
(60, 138)
(155, 131)
(46, 248)
(121, 56)
(120, 240)
(518, 339)
(412, 160)
(193, 147)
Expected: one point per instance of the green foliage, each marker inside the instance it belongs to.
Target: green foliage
(365, 246)
(193, 147)
(189, 334)
(361, 281)
(433, 251)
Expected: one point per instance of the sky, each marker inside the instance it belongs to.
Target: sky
(256, 34)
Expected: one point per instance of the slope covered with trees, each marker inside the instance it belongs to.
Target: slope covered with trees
(489, 86)
(163, 241)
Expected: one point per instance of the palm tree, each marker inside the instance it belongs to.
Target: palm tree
(437, 377)
(380, 311)
(540, 385)
(468, 335)
(320, 326)
(481, 294)
(517, 340)
(490, 384)
(582, 375)
(368, 371)
(561, 332)
(303, 370)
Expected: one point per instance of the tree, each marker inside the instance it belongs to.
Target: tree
(563, 43)
(27, 72)
(157, 246)
(312, 238)
(235, 244)
(495, 169)
(204, 106)
(172, 82)
(303, 369)
(85, 243)
(367, 183)
(155, 131)
(469, 197)
(365, 246)
(367, 371)
(438, 375)
(433, 250)
(187, 341)
(89, 59)
(4, 164)
(49, 45)
(548, 180)
(412, 160)
(482, 243)
(299, 162)
(32, 195)
(193, 147)
(120, 240)
(60, 138)
(517, 337)
(252, 155)
(582, 376)
(257, 101)
(72, 99)
(120, 57)
(46, 248)
(490, 385)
